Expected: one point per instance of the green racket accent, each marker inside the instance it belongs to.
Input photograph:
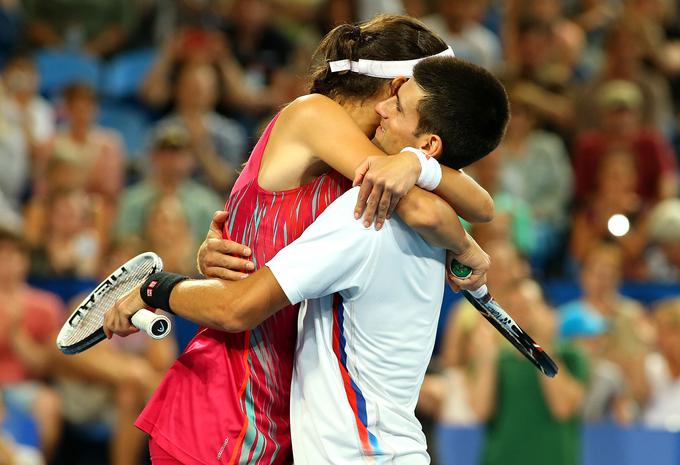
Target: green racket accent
(460, 271)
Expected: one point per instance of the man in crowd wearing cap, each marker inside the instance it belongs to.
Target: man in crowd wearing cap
(620, 127)
(663, 260)
(169, 174)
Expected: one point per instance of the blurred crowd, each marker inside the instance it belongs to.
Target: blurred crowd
(123, 124)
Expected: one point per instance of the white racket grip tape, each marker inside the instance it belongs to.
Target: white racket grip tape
(155, 325)
(480, 292)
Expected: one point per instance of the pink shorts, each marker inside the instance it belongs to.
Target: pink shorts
(159, 456)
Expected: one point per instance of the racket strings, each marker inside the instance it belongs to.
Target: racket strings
(92, 318)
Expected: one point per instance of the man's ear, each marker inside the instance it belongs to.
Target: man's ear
(431, 145)
(396, 83)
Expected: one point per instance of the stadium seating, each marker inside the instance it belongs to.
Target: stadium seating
(602, 445)
(59, 68)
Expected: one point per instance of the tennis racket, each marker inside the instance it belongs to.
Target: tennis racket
(84, 328)
(499, 318)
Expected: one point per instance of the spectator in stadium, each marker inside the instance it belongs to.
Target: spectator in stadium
(534, 166)
(620, 127)
(217, 143)
(607, 397)
(11, 28)
(663, 369)
(513, 218)
(70, 246)
(167, 232)
(99, 150)
(170, 168)
(99, 29)
(12, 452)
(568, 37)
(14, 176)
(533, 67)
(510, 391)
(24, 107)
(257, 44)
(615, 194)
(623, 61)
(467, 343)
(663, 257)
(629, 333)
(110, 383)
(458, 23)
(29, 319)
(64, 173)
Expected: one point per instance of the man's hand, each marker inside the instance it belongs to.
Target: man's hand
(117, 319)
(473, 257)
(384, 181)
(219, 258)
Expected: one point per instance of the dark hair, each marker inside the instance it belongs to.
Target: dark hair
(76, 90)
(385, 37)
(465, 105)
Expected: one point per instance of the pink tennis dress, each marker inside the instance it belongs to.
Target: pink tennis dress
(226, 398)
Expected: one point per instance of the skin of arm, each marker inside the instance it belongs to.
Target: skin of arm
(320, 134)
(156, 89)
(34, 355)
(232, 306)
(563, 394)
(337, 129)
(482, 380)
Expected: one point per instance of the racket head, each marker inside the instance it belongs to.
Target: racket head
(84, 327)
(517, 336)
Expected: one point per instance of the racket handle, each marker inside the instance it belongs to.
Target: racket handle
(155, 325)
(463, 271)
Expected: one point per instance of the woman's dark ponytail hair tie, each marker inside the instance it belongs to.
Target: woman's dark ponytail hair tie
(355, 34)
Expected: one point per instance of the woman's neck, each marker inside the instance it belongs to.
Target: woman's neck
(364, 116)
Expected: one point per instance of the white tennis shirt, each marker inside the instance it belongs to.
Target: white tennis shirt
(366, 330)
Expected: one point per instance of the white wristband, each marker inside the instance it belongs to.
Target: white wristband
(430, 171)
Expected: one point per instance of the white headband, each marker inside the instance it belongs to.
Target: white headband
(383, 69)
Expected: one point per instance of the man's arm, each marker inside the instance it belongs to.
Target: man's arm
(329, 257)
(232, 306)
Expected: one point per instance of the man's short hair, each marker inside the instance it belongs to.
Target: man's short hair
(465, 105)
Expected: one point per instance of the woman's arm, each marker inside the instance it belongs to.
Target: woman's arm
(336, 129)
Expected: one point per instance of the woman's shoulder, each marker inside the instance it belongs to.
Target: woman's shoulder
(308, 106)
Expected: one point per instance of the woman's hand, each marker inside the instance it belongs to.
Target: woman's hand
(384, 181)
(222, 258)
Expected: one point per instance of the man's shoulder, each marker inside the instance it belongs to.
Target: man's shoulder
(342, 208)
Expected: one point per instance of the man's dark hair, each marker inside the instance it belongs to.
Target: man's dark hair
(465, 105)
(385, 37)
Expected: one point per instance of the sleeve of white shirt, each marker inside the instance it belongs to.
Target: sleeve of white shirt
(332, 255)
